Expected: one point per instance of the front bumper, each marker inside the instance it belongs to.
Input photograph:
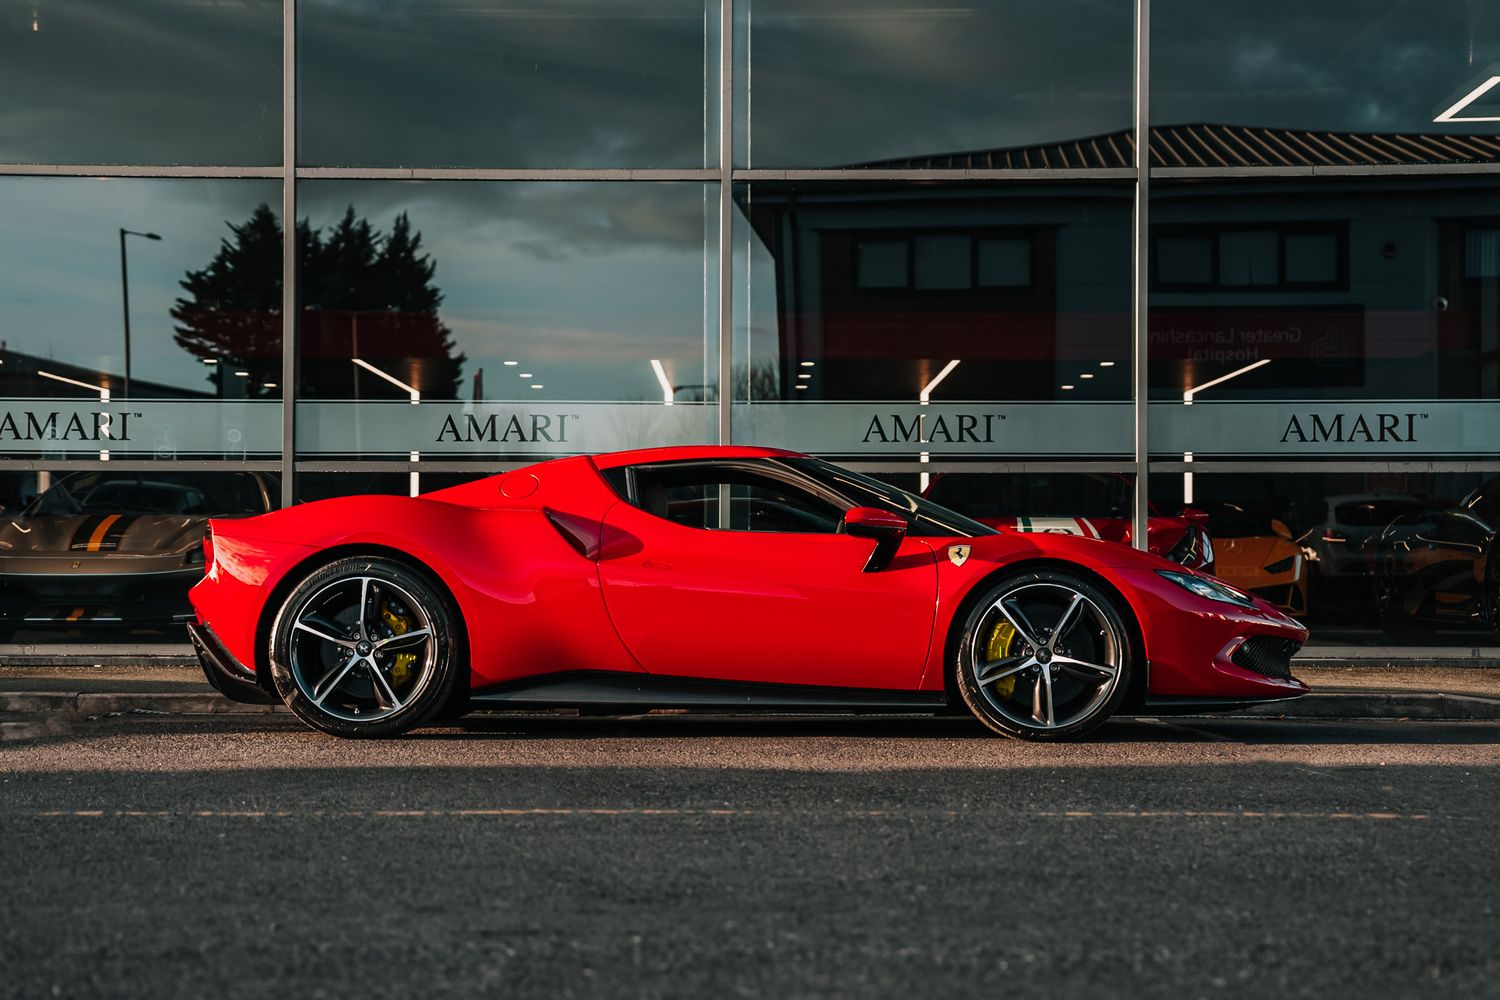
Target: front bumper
(228, 676)
(1210, 652)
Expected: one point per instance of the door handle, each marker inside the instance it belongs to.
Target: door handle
(654, 564)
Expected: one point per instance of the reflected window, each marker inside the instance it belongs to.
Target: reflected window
(1362, 71)
(481, 83)
(1004, 263)
(1248, 258)
(870, 291)
(141, 82)
(944, 262)
(861, 83)
(883, 263)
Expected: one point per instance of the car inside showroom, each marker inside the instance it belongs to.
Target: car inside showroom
(1243, 312)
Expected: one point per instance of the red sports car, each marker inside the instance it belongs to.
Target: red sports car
(712, 577)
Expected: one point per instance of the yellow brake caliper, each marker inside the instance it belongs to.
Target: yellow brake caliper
(1002, 641)
(399, 624)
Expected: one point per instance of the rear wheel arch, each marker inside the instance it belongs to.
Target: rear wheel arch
(325, 557)
(1135, 696)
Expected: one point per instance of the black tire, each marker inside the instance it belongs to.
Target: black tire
(349, 656)
(1061, 687)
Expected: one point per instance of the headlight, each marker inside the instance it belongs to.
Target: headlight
(1282, 565)
(1208, 588)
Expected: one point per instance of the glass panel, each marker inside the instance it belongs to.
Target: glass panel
(855, 83)
(479, 83)
(520, 318)
(1226, 78)
(883, 264)
(945, 262)
(148, 81)
(1380, 338)
(180, 277)
(1248, 258)
(1365, 559)
(1032, 359)
(1004, 263)
(110, 554)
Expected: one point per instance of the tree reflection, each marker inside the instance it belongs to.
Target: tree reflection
(363, 294)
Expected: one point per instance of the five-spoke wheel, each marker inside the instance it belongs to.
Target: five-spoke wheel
(362, 647)
(1043, 655)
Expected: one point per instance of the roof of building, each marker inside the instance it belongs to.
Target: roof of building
(1205, 145)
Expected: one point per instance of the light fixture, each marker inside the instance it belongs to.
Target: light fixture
(103, 391)
(1187, 400)
(1468, 99)
(527, 374)
(416, 397)
(242, 373)
(808, 364)
(804, 375)
(926, 393)
(1106, 364)
(801, 387)
(663, 381)
(510, 364)
(1187, 397)
(268, 385)
(1065, 387)
(210, 361)
(537, 385)
(1087, 375)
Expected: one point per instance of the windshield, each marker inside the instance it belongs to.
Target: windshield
(925, 517)
(202, 494)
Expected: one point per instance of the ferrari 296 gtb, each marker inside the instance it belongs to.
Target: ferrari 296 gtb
(712, 577)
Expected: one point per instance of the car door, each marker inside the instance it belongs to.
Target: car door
(737, 572)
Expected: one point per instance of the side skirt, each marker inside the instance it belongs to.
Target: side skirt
(600, 688)
(1174, 705)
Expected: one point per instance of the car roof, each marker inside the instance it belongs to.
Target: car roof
(687, 453)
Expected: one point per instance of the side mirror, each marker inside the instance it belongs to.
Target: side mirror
(1192, 515)
(1280, 530)
(886, 528)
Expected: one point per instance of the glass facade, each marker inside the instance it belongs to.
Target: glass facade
(257, 254)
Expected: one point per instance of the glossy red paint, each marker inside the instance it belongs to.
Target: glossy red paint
(551, 571)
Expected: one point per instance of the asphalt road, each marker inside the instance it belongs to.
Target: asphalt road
(782, 858)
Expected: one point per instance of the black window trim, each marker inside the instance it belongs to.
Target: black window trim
(1337, 228)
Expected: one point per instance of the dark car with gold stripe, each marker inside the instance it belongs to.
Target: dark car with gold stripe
(111, 547)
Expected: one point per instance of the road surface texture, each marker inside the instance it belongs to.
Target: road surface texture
(707, 857)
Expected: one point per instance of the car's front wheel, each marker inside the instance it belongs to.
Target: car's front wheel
(365, 647)
(1044, 655)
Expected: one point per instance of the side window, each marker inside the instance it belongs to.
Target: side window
(701, 495)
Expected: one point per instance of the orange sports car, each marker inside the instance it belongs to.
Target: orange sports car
(1258, 555)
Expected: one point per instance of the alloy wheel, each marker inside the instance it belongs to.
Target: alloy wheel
(361, 649)
(1061, 659)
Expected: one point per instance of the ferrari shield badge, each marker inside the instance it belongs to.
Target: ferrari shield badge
(958, 554)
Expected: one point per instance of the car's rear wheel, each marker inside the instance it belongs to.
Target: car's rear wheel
(1044, 655)
(365, 648)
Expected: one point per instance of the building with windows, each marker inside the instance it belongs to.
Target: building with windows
(1094, 266)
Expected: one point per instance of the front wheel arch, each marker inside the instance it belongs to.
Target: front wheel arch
(1135, 694)
(325, 557)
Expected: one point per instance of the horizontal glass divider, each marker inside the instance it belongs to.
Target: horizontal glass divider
(1329, 170)
(132, 170)
(1122, 466)
(1319, 466)
(141, 464)
(395, 465)
(924, 174)
(507, 174)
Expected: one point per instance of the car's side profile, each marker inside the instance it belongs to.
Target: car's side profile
(712, 577)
